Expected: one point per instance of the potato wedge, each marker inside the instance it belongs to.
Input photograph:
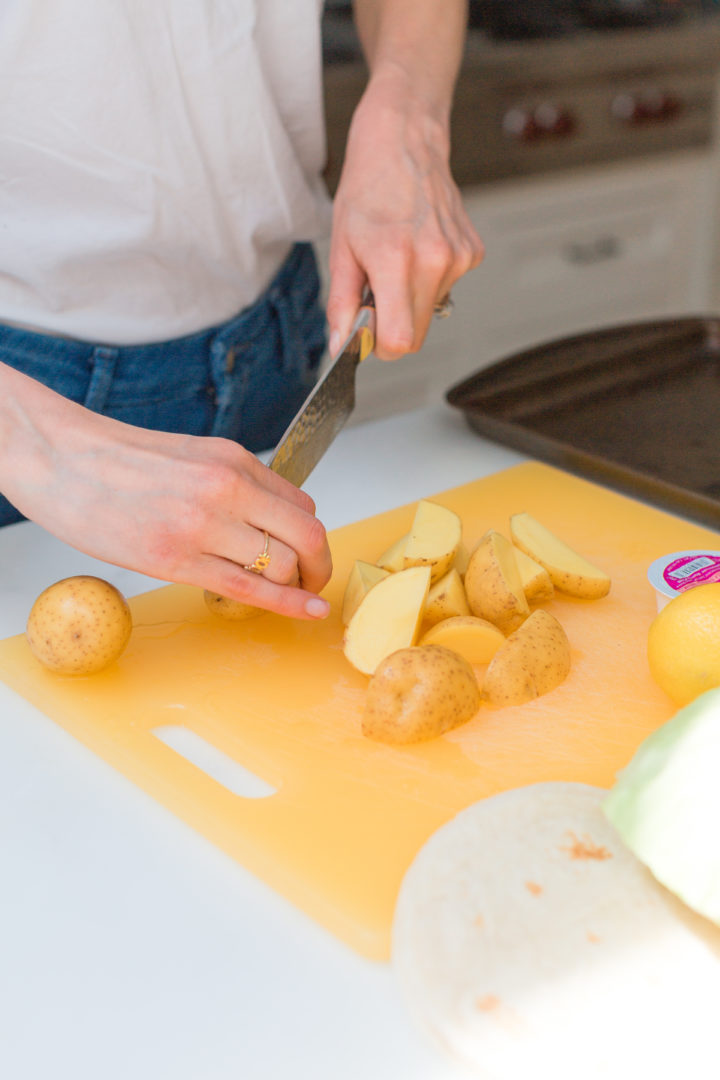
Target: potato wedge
(536, 582)
(446, 599)
(493, 585)
(476, 639)
(418, 693)
(534, 660)
(362, 578)
(569, 572)
(461, 560)
(434, 539)
(388, 618)
(392, 559)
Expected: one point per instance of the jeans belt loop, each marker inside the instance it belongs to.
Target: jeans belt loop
(104, 361)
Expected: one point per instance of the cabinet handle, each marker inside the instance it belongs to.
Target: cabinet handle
(593, 251)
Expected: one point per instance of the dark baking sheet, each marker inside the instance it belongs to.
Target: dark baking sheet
(636, 407)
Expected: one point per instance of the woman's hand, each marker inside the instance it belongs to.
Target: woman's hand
(399, 222)
(176, 507)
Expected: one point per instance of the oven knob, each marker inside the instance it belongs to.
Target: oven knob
(645, 106)
(520, 124)
(551, 119)
(626, 108)
(670, 105)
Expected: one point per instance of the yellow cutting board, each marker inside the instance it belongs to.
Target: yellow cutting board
(348, 815)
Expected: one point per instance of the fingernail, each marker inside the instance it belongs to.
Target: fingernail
(334, 346)
(319, 609)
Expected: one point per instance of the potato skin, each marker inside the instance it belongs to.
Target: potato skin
(569, 571)
(232, 610)
(533, 660)
(493, 585)
(79, 625)
(419, 693)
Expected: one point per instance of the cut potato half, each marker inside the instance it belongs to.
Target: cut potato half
(388, 618)
(362, 578)
(419, 693)
(569, 571)
(434, 539)
(533, 661)
(477, 640)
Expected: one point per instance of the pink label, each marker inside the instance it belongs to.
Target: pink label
(691, 570)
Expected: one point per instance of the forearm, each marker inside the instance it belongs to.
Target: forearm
(21, 398)
(415, 46)
(175, 507)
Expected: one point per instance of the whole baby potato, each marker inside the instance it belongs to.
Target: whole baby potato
(232, 610)
(418, 693)
(79, 625)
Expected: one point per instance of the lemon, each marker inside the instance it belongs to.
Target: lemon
(684, 644)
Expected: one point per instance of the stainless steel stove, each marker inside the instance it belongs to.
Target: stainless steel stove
(557, 85)
(585, 137)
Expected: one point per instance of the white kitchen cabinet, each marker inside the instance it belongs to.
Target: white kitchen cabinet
(564, 254)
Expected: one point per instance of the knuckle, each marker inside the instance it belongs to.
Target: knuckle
(166, 549)
(335, 307)
(315, 539)
(306, 503)
(214, 481)
(284, 566)
(239, 586)
(437, 255)
(474, 253)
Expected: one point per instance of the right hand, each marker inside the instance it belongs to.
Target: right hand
(179, 508)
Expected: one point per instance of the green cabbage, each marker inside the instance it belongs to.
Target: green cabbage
(665, 804)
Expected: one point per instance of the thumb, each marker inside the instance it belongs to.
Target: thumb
(347, 281)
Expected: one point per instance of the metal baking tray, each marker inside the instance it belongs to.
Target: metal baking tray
(636, 407)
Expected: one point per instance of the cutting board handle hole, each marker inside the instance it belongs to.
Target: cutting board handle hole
(215, 763)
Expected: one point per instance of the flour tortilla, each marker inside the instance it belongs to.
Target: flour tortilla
(533, 944)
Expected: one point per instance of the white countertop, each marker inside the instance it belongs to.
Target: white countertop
(129, 946)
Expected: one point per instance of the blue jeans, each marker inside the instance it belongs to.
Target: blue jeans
(243, 380)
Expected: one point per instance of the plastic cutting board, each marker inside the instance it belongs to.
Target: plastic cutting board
(348, 815)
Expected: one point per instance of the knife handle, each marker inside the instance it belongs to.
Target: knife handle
(365, 323)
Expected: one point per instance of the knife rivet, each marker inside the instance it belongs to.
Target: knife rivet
(230, 361)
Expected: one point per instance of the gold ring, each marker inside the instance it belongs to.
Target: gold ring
(444, 307)
(263, 560)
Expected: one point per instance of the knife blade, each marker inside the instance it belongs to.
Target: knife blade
(328, 405)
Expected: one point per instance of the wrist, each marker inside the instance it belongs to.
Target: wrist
(394, 111)
(396, 86)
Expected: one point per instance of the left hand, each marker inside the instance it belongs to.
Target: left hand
(399, 223)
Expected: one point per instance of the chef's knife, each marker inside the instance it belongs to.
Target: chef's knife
(328, 405)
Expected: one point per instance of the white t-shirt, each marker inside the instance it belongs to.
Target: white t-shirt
(158, 158)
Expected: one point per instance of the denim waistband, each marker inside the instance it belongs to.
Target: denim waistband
(127, 374)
